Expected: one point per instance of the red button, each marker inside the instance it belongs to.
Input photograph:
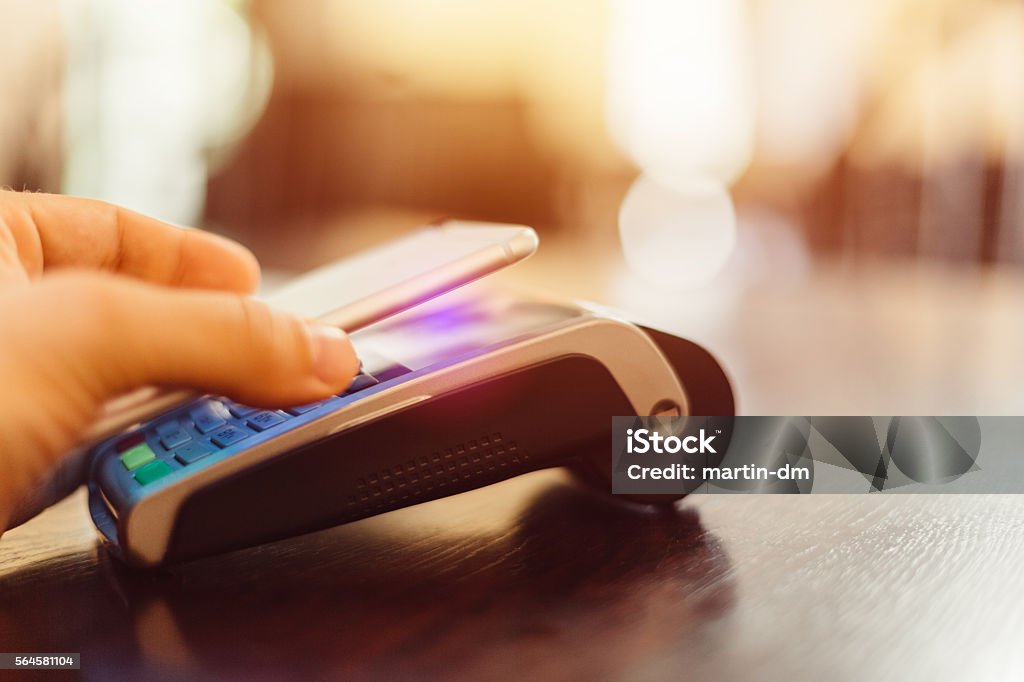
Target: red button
(137, 438)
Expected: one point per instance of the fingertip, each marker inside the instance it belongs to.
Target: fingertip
(334, 358)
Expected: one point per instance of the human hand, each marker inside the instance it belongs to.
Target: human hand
(96, 300)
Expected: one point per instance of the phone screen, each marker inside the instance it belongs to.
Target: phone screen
(464, 322)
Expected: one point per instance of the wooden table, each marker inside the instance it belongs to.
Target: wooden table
(540, 578)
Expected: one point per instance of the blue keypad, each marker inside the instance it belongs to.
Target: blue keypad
(228, 436)
(264, 420)
(195, 450)
(208, 425)
(206, 419)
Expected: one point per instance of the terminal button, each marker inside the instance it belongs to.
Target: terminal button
(167, 427)
(229, 436)
(174, 438)
(242, 410)
(129, 442)
(152, 472)
(137, 456)
(187, 454)
(360, 382)
(302, 409)
(205, 419)
(265, 420)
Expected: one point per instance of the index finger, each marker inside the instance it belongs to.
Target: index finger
(53, 231)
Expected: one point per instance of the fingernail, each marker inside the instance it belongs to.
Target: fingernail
(332, 354)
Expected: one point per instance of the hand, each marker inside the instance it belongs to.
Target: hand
(97, 300)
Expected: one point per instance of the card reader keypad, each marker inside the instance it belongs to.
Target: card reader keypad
(176, 442)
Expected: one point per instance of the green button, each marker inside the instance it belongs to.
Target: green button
(152, 472)
(137, 456)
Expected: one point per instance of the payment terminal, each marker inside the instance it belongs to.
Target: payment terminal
(470, 389)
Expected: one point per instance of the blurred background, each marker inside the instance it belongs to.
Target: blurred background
(884, 126)
(674, 145)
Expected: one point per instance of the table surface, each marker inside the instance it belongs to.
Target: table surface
(541, 577)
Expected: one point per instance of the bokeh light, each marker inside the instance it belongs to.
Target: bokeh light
(677, 234)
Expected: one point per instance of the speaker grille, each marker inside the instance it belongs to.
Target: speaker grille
(432, 475)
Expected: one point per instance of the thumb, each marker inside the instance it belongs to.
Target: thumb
(121, 334)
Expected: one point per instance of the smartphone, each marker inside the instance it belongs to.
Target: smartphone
(357, 291)
(371, 286)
